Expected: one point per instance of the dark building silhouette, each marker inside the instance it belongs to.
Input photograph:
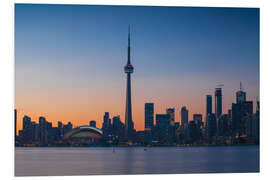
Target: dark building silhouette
(162, 126)
(170, 111)
(27, 131)
(240, 95)
(60, 129)
(162, 120)
(193, 132)
(184, 116)
(208, 104)
(218, 102)
(129, 126)
(67, 127)
(211, 127)
(223, 125)
(59, 125)
(107, 126)
(253, 126)
(26, 122)
(92, 123)
(118, 128)
(148, 116)
(197, 118)
(171, 128)
(106, 122)
(43, 132)
(230, 118)
(240, 112)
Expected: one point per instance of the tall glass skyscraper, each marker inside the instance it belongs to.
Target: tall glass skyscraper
(184, 116)
(240, 95)
(170, 111)
(218, 102)
(148, 116)
(208, 104)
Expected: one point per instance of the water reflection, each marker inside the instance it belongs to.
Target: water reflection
(87, 161)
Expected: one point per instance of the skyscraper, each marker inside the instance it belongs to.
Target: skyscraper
(197, 118)
(223, 125)
(148, 116)
(184, 116)
(128, 114)
(218, 102)
(211, 127)
(27, 129)
(162, 123)
(43, 130)
(240, 95)
(106, 121)
(117, 127)
(170, 111)
(26, 122)
(240, 112)
(208, 104)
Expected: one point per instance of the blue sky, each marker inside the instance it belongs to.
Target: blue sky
(177, 52)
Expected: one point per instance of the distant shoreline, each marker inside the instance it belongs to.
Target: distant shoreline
(238, 145)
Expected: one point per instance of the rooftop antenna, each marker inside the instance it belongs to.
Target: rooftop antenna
(241, 87)
(220, 85)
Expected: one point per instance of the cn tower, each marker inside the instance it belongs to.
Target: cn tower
(128, 114)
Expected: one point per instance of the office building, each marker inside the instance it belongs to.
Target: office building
(148, 116)
(211, 127)
(171, 113)
(184, 116)
(197, 118)
(240, 95)
(218, 102)
(208, 104)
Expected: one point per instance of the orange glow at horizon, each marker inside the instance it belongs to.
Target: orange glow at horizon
(80, 108)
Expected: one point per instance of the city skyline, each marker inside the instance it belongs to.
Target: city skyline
(45, 88)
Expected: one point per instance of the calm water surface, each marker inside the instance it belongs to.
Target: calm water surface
(134, 160)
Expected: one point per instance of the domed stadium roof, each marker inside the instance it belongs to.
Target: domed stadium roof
(84, 132)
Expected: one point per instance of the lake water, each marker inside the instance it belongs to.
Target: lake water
(135, 160)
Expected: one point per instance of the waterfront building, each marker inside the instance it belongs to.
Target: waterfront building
(208, 104)
(193, 132)
(240, 112)
(106, 122)
(223, 125)
(218, 102)
(43, 132)
(184, 116)
(211, 127)
(240, 95)
(148, 116)
(170, 112)
(118, 127)
(197, 118)
(162, 124)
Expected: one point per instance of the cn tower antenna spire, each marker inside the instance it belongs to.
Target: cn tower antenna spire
(241, 87)
(128, 44)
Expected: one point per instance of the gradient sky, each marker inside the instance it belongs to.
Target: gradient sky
(69, 59)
